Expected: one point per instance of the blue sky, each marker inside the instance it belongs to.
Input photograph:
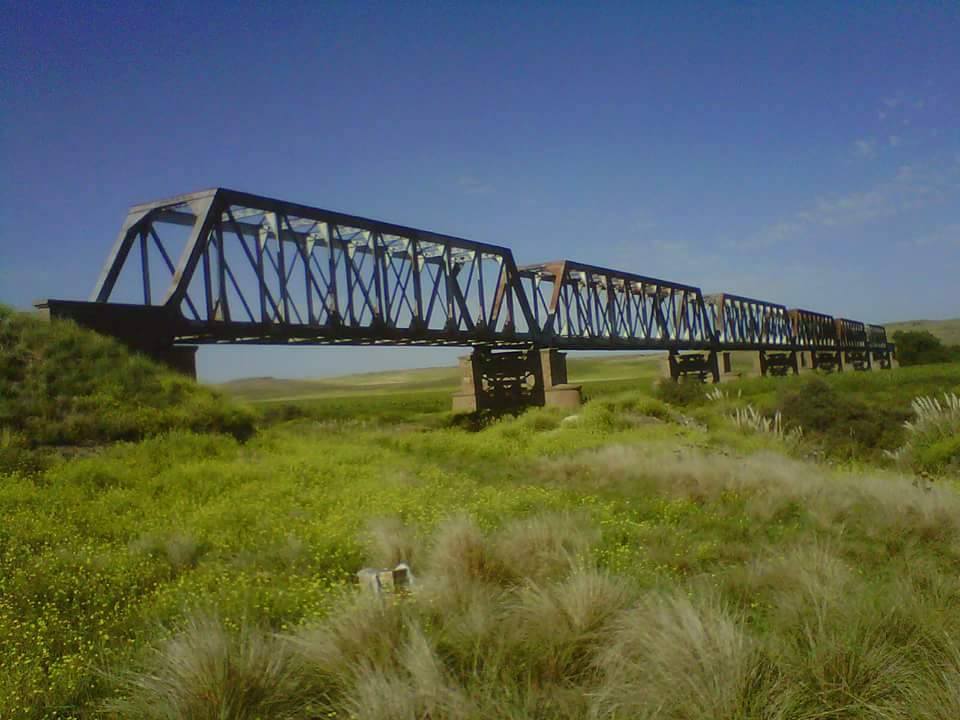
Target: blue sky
(807, 153)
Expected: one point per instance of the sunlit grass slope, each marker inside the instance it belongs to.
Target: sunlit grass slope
(60, 385)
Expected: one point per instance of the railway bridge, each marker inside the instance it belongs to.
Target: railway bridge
(227, 267)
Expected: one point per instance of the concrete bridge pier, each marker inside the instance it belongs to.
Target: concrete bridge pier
(514, 379)
(700, 365)
(857, 359)
(777, 363)
(883, 359)
(827, 360)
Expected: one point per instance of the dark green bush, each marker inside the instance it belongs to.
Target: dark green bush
(682, 394)
(843, 424)
(921, 347)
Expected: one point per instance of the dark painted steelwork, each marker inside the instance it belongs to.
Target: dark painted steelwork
(261, 271)
(877, 337)
(851, 334)
(584, 307)
(747, 324)
(221, 266)
(812, 330)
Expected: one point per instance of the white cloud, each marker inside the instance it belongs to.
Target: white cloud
(865, 147)
(911, 188)
(894, 140)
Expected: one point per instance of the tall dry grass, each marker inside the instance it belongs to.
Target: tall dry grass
(206, 672)
(520, 622)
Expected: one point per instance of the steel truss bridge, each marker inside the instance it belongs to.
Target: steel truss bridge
(226, 267)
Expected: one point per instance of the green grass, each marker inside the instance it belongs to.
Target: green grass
(633, 559)
(61, 385)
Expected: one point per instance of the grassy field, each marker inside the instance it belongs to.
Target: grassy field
(660, 553)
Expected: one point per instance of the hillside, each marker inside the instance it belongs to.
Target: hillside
(947, 330)
(64, 385)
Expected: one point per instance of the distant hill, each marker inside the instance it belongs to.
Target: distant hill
(618, 366)
(947, 330)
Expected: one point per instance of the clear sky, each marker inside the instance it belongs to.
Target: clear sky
(807, 153)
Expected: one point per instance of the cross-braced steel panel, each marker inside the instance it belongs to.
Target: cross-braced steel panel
(877, 337)
(256, 270)
(851, 334)
(746, 324)
(812, 330)
(584, 307)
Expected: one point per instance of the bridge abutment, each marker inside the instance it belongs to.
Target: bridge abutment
(513, 379)
(143, 329)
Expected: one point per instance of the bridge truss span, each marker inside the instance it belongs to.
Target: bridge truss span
(257, 270)
(585, 307)
(743, 323)
(222, 266)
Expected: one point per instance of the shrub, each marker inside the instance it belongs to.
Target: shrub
(207, 672)
(686, 659)
(933, 439)
(844, 425)
(921, 347)
(681, 394)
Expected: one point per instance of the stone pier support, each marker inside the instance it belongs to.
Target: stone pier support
(513, 379)
(857, 359)
(702, 365)
(725, 365)
(882, 360)
(827, 360)
(777, 363)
